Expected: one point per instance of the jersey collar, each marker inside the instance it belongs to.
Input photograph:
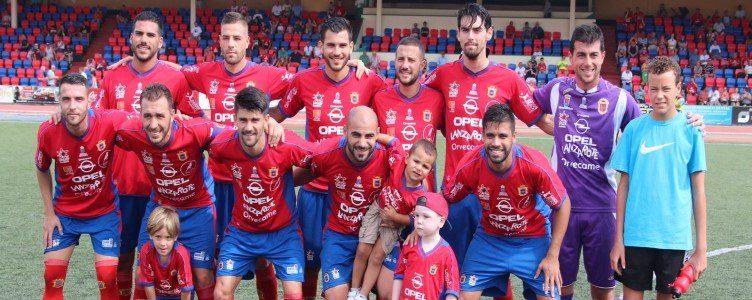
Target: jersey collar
(406, 98)
(479, 73)
(248, 66)
(144, 74)
(334, 82)
(515, 151)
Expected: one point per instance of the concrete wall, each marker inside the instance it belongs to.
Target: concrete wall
(611, 9)
(312, 5)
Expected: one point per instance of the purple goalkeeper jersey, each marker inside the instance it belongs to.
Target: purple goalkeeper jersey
(586, 124)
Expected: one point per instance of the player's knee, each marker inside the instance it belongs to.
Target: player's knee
(377, 258)
(363, 252)
(567, 290)
(203, 278)
(293, 296)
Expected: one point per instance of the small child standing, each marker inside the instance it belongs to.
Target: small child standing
(429, 266)
(164, 264)
(662, 163)
(394, 204)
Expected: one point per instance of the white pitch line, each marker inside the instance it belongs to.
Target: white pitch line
(727, 250)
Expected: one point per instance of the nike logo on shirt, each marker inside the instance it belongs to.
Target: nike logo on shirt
(645, 150)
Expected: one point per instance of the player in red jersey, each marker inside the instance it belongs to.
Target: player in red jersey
(121, 89)
(355, 166)
(84, 196)
(427, 269)
(327, 94)
(264, 219)
(470, 86)
(409, 110)
(171, 151)
(514, 185)
(164, 264)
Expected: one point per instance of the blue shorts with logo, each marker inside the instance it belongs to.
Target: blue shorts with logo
(103, 230)
(463, 219)
(132, 210)
(225, 196)
(491, 259)
(337, 258)
(241, 249)
(197, 233)
(390, 260)
(313, 211)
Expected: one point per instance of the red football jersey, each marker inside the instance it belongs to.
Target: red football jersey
(508, 199)
(177, 171)
(263, 184)
(168, 280)
(467, 95)
(220, 87)
(327, 103)
(428, 275)
(396, 193)
(352, 188)
(83, 173)
(121, 89)
(411, 119)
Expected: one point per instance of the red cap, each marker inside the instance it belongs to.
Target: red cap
(434, 202)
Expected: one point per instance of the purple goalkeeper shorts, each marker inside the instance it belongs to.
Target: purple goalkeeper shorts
(593, 232)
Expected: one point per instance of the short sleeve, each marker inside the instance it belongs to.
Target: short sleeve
(377, 84)
(300, 153)
(280, 83)
(631, 112)
(620, 159)
(550, 187)
(191, 74)
(103, 101)
(292, 103)
(451, 276)
(42, 159)
(432, 79)
(145, 269)
(522, 103)
(185, 277)
(459, 185)
(697, 161)
(187, 101)
(207, 131)
(399, 271)
(542, 96)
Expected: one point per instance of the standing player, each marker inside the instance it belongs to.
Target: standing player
(171, 150)
(470, 86)
(84, 196)
(409, 110)
(327, 94)
(264, 220)
(121, 89)
(513, 237)
(588, 113)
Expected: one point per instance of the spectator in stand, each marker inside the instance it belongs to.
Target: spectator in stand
(715, 50)
(209, 54)
(339, 9)
(41, 74)
(415, 31)
(509, 32)
(621, 51)
(746, 97)
(748, 69)
(547, 9)
(542, 66)
(51, 77)
(521, 71)
(671, 42)
(735, 97)
(633, 49)
(49, 52)
(531, 71)
(424, 31)
(629, 16)
(698, 20)
(297, 10)
(718, 26)
(740, 13)
(725, 96)
(258, 18)
(626, 79)
(196, 31)
(366, 60)
(662, 12)
(537, 52)
(527, 31)
(704, 57)
(376, 61)
(308, 50)
(537, 31)
(691, 87)
(704, 97)
(277, 9)
(639, 94)
(715, 96)
(317, 51)
(726, 18)
(563, 66)
(287, 8)
(643, 73)
(296, 57)
(442, 59)
(6, 20)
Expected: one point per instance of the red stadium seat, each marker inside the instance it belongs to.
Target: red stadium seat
(30, 72)
(720, 81)
(20, 73)
(5, 81)
(14, 81)
(369, 31)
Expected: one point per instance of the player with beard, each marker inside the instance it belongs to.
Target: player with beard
(588, 113)
(513, 184)
(356, 166)
(84, 195)
(327, 94)
(264, 220)
(121, 89)
(470, 86)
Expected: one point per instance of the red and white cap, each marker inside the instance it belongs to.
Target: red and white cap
(434, 202)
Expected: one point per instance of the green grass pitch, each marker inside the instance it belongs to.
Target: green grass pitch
(729, 275)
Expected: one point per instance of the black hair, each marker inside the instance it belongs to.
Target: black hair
(474, 10)
(233, 18)
(251, 99)
(412, 41)
(587, 34)
(74, 79)
(498, 114)
(150, 16)
(336, 25)
(156, 91)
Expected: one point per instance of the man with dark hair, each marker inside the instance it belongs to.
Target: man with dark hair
(470, 86)
(327, 93)
(588, 112)
(84, 199)
(121, 89)
(171, 150)
(264, 220)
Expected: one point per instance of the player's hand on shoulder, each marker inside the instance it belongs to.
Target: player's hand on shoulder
(552, 281)
(411, 239)
(275, 131)
(120, 62)
(180, 116)
(56, 116)
(384, 139)
(361, 67)
(50, 223)
(698, 121)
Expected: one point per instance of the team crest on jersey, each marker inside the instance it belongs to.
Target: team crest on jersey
(391, 117)
(236, 171)
(213, 86)
(463, 278)
(273, 172)
(120, 91)
(503, 191)
(62, 156)
(230, 264)
(146, 157)
(433, 269)
(58, 283)
(318, 98)
(472, 280)
(340, 182)
(528, 101)
(454, 89)
(101, 145)
(68, 170)
(483, 193)
(427, 115)
(354, 97)
(409, 116)
(376, 182)
(326, 277)
(522, 190)
(335, 273)
(602, 106)
(316, 115)
(563, 118)
(567, 99)
(182, 155)
(491, 93)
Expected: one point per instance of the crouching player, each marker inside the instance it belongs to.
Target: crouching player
(507, 178)
(429, 266)
(662, 165)
(264, 217)
(84, 196)
(387, 217)
(164, 263)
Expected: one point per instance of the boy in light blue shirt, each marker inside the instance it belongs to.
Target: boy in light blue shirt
(662, 165)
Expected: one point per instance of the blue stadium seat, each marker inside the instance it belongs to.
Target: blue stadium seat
(33, 81)
(24, 81)
(741, 83)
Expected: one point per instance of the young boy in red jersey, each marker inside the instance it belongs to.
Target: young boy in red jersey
(164, 264)
(429, 266)
(386, 218)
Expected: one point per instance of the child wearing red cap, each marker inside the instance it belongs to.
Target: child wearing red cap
(429, 267)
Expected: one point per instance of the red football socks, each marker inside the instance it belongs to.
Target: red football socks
(107, 278)
(54, 278)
